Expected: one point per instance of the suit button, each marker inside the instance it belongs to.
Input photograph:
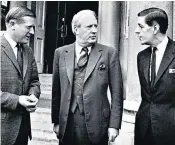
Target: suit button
(87, 113)
(66, 115)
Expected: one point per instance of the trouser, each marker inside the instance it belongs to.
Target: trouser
(147, 139)
(22, 138)
(76, 132)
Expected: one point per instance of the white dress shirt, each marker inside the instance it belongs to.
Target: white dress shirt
(78, 51)
(12, 44)
(160, 52)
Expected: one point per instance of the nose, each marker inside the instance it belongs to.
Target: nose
(32, 31)
(137, 30)
(94, 29)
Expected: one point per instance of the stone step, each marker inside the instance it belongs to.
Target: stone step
(47, 136)
(42, 115)
(46, 96)
(48, 127)
(44, 102)
(37, 142)
(42, 128)
(46, 83)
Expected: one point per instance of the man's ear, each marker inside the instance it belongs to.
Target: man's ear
(156, 27)
(12, 23)
(76, 30)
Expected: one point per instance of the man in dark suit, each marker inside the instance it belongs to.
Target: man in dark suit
(155, 119)
(20, 87)
(82, 72)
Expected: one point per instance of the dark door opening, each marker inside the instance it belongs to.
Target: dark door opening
(58, 26)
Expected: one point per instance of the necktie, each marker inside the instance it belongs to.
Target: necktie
(83, 58)
(20, 58)
(153, 67)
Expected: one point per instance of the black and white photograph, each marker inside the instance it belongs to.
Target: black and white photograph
(87, 73)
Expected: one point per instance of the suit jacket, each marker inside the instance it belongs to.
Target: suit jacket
(13, 85)
(157, 106)
(103, 70)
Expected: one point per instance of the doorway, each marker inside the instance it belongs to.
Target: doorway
(58, 33)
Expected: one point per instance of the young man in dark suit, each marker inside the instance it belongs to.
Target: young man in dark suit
(20, 87)
(82, 72)
(155, 119)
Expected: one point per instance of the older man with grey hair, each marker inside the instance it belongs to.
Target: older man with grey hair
(82, 72)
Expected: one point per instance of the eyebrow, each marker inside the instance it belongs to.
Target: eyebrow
(140, 24)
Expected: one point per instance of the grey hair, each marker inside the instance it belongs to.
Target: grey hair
(78, 16)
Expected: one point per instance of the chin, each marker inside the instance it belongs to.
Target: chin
(93, 41)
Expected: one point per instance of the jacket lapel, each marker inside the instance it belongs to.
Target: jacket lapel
(69, 59)
(166, 60)
(146, 60)
(93, 58)
(9, 52)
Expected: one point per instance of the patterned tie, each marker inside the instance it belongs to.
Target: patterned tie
(153, 67)
(83, 58)
(20, 58)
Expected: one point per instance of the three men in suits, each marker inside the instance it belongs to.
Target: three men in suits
(155, 119)
(82, 72)
(20, 87)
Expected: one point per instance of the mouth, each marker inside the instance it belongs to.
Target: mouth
(28, 37)
(93, 37)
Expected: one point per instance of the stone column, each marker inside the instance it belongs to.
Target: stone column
(173, 20)
(109, 23)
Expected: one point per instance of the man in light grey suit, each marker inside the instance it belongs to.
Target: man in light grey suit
(82, 72)
(20, 87)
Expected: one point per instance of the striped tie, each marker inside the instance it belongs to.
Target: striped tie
(83, 58)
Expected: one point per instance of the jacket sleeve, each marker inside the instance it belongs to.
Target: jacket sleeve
(9, 100)
(56, 90)
(116, 89)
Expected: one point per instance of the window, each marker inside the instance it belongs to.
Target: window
(4, 10)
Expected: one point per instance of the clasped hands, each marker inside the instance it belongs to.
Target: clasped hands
(29, 102)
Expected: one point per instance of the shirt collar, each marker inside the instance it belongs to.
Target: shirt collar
(78, 48)
(163, 44)
(10, 40)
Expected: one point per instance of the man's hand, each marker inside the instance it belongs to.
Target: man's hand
(29, 102)
(56, 129)
(33, 98)
(31, 109)
(112, 134)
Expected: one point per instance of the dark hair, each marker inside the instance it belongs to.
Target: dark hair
(18, 12)
(158, 15)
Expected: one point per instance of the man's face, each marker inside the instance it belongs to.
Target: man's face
(24, 29)
(86, 33)
(145, 32)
